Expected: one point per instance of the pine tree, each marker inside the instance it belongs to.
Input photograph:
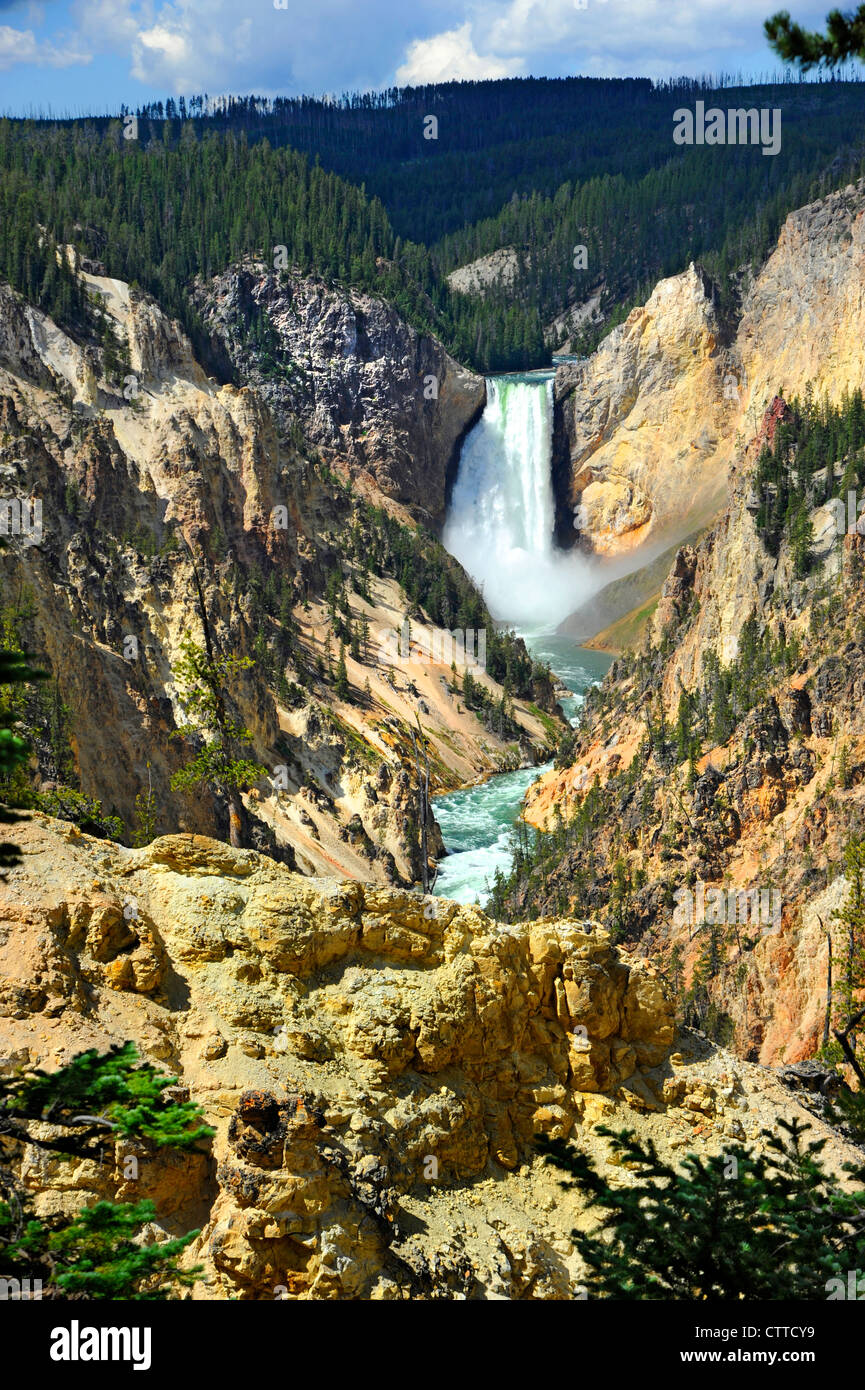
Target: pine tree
(341, 685)
(203, 678)
(14, 748)
(801, 541)
(844, 38)
(94, 1100)
(145, 814)
(737, 1225)
(683, 726)
(699, 1001)
(850, 981)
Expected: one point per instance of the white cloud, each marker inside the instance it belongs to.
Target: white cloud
(16, 46)
(655, 38)
(20, 46)
(186, 46)
(111, 24)
(190, 49)
(322, 45)
(163, 45)
(451, 57)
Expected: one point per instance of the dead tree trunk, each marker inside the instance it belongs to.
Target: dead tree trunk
(236, 814)
(423, 798)
(828, 1016)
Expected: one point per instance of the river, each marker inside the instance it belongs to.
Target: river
(500, 527)
(477, 822)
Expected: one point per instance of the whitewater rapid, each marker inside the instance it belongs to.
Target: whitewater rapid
(477, 823)
(502, 511)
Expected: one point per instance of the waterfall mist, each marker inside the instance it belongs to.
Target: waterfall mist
(501, 517)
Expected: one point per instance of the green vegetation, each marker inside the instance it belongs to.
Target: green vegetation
(92, 1101)
(699, 1008)
(561, 869)
(845, 1014)
(14, 749)
(736, 1225)
(517, 163)
(36, 721)
(844, 39)
(203, 679)
(817, 453)
(851, 979)
(628, 631)
(729, 692)
(433, 580)
(145, 814)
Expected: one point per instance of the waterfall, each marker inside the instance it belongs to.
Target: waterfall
(502, 513)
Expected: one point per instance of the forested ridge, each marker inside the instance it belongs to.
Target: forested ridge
(355, 193)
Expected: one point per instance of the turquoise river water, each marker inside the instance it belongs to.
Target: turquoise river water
(477, 822)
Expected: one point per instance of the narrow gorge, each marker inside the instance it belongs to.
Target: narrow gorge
(432, 748)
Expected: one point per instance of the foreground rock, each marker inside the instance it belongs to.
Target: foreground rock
(376, 1065)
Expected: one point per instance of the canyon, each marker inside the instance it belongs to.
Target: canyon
(169, 498)
(378, 1063)
(769, 804)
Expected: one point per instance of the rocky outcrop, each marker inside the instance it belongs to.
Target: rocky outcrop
(367, 389)
(498, 269)
(639, 425)
(771, 801)
(376, 1065)
(649, 428)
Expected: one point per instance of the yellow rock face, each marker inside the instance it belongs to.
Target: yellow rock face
(376, 1064)
(645, 420)
(655, 420)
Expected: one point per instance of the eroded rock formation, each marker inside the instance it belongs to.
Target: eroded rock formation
(649, 427)
(376, 1065)
(367, 389)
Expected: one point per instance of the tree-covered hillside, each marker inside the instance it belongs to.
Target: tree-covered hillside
(355, 192)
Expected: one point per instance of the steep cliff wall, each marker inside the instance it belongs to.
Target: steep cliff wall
(768, 804)
(778, 787)
(641, 426)
(648, 429)
(153, 479)
(367, 389)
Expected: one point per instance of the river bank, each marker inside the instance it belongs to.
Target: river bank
(477, 822)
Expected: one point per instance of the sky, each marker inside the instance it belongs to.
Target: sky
(78, 56)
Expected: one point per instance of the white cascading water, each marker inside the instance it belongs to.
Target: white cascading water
(500, 526)
(501, 516)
